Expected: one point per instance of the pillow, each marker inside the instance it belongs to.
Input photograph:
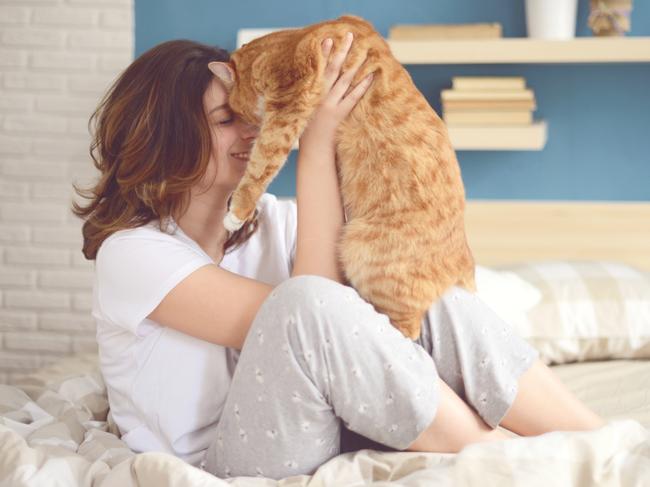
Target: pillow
(506, 293)
(589, 310)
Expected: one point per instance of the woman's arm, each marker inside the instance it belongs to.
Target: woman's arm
(320, 213)
(320, 209)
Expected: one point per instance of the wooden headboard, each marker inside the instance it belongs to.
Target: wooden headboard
(506, 232)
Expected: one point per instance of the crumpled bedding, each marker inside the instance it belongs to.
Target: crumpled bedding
(56, 429)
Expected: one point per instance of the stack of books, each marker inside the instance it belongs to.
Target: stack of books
(488, 101)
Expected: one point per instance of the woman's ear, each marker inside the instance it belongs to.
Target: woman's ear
(224, 72)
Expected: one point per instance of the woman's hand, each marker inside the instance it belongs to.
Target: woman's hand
(338, 98)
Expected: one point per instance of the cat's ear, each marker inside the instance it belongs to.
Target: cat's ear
(223, 71)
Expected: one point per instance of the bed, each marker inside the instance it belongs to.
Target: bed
(571, 278)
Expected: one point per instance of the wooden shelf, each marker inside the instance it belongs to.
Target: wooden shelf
(467, 137)
(511, 137)
(523, 50)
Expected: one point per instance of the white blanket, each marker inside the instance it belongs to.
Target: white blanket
(55, 431)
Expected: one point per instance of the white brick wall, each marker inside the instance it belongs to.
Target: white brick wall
(57, 58)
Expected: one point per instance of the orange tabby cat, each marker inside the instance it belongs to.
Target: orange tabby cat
(404, 241)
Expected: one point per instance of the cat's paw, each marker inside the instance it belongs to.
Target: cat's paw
(232, 223)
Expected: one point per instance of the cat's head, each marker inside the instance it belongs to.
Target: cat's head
(243, 97)
(267, 73)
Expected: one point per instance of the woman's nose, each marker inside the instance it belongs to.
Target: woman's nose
(248, 131)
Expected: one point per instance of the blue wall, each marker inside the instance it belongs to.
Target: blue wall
(598, 114)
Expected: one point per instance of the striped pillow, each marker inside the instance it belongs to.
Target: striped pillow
(588, 311)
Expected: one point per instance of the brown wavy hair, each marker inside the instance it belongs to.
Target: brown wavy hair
(151, 143)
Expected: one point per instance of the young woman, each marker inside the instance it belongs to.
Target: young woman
(245, 354)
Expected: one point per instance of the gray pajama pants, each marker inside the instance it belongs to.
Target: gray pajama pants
(319, 360)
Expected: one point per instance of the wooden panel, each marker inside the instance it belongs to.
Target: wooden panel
(504, 232)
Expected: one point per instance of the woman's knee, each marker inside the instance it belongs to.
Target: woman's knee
(299, 298)
(307, 286)
(460, 307)
(314, 303)
(311, 302)
(311, 294)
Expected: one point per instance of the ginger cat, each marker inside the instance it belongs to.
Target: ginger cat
(404, 243)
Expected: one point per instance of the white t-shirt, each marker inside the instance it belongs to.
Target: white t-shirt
(167, 389)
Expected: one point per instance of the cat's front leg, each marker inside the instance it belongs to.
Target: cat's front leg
(277, 135)
(259, 174)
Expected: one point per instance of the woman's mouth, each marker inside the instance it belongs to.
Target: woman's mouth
(242, 156)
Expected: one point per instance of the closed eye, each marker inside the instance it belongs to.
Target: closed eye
(226, 118)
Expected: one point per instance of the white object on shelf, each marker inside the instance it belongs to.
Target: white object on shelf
(247, 35)
(551, 19)
(467, 137)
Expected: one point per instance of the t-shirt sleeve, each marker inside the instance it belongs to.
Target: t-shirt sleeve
(134, 274)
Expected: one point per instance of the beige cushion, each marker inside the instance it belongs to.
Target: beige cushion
(587, 311)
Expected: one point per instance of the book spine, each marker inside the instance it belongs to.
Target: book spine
(489, 105)
(485, 83)
(487, 95)
(524, 117)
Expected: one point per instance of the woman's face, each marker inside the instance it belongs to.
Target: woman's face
(232, 140)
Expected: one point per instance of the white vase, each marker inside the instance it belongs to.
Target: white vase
(551, 19)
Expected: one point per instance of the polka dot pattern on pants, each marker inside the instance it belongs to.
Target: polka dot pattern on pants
(483, 398)
(272, 434)
(243, 435)
(286, 394)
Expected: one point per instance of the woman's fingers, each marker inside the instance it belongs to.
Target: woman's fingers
(342, 85)
(327, 48)
(336, 61)
(340, 55)
(355, 94)
(337, 85)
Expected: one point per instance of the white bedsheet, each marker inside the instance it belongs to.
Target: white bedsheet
(54, 430)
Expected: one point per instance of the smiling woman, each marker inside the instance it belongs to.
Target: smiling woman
(162, 133)
(171, 152)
